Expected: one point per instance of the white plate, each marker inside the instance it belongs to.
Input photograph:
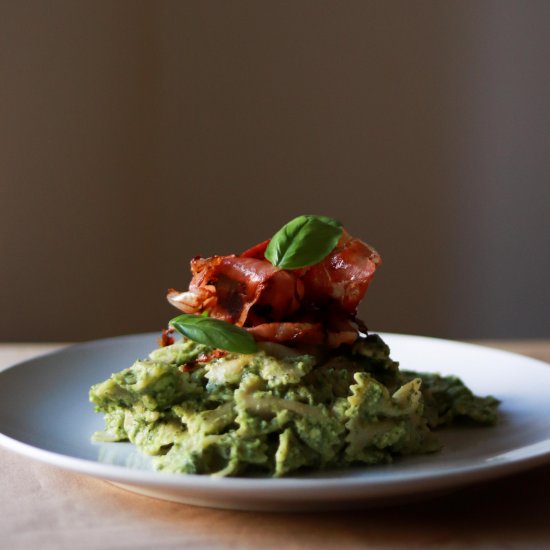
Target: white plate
(45, 414)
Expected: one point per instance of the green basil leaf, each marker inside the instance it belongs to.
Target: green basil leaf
(304, 241)
(214, 333)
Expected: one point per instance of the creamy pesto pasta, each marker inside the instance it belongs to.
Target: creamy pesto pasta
(280, 409)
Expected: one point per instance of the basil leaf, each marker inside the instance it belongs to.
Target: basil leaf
(214, 333)
(306, 240)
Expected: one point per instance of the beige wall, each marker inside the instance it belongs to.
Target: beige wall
(135, 135)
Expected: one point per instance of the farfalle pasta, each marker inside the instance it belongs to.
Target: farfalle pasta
(280, 413)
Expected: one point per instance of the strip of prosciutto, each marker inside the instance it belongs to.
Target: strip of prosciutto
(289, 333)
(239, 290)
(332, 331)
(343, 276)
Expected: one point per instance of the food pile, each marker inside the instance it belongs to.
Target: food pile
(274, 373)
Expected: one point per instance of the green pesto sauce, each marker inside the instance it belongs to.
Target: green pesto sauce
(280, 409)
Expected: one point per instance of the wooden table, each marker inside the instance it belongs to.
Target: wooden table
(45, 507)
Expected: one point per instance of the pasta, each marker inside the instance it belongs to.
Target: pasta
(280, 409)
